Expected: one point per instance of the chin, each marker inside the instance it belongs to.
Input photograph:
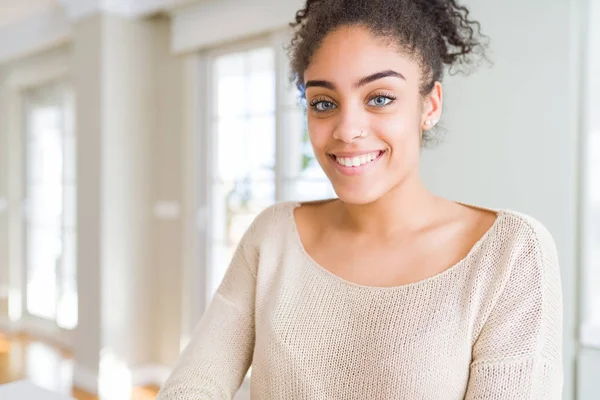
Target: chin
(357, 195)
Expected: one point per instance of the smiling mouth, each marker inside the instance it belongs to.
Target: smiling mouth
(357, 161)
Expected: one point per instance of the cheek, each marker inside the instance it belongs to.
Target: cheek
(320, 132)
(399, 131)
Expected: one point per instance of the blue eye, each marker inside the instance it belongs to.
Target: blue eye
(380, 101)
(323, 106)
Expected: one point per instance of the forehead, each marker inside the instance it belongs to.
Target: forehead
(352, 52)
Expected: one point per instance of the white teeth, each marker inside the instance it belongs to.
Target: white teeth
(358, 160)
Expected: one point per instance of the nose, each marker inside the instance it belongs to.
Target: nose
(350, 126)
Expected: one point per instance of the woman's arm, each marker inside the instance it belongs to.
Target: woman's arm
(518, 353)
(215, 362)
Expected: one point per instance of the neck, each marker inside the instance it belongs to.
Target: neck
(406, 207)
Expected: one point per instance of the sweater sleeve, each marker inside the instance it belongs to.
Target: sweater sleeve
(215, 362)
(517, 355)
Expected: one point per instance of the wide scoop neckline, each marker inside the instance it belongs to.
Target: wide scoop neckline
(297, 242)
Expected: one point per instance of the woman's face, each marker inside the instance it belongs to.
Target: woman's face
(366, 114)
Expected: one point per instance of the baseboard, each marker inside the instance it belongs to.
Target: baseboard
(145, 375)
(150, 374)
(8, 326)
(48, 332)
(39, 329)
(85, 379)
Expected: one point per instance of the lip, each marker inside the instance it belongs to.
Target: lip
(354, 171)
(354, 153)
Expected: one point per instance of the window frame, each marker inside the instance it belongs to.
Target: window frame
(65, 89)
(53, 68)
(589, 330)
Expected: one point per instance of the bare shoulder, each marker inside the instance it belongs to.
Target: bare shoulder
(473, 221)
(480, 220)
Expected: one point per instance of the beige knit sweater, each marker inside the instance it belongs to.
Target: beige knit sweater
(487, 328)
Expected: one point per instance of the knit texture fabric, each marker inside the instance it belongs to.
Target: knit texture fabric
(489, 327)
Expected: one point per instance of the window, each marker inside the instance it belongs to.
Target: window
(51, 285)
(591, 190)
(592, 261)
(259, 151)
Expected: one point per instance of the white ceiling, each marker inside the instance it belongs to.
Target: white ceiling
(12, 11)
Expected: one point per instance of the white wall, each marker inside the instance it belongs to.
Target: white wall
(588, 376)
(167, 190)
(513, 132)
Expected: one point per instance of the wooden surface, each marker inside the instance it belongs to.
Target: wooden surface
(23, 357)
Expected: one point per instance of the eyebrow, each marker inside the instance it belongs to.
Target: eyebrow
(363, 81)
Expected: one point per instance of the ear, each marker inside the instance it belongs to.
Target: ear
(432, 107)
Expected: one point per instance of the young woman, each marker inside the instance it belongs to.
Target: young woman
(388, 291)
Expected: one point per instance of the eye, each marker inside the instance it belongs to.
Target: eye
(380, 101)
(322, 105)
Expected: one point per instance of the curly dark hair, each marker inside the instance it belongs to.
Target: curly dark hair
(436, 33)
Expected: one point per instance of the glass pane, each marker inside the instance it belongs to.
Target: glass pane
(35, 161)
(44, 204)
(260, 148)
(230, 65)
(243, 197)
(43, 255)
(230, 77)
(246, 148)
(45, 155)
(261, 82)
(221, 257)
(44, 122)
(230, 141)
(296, 138)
